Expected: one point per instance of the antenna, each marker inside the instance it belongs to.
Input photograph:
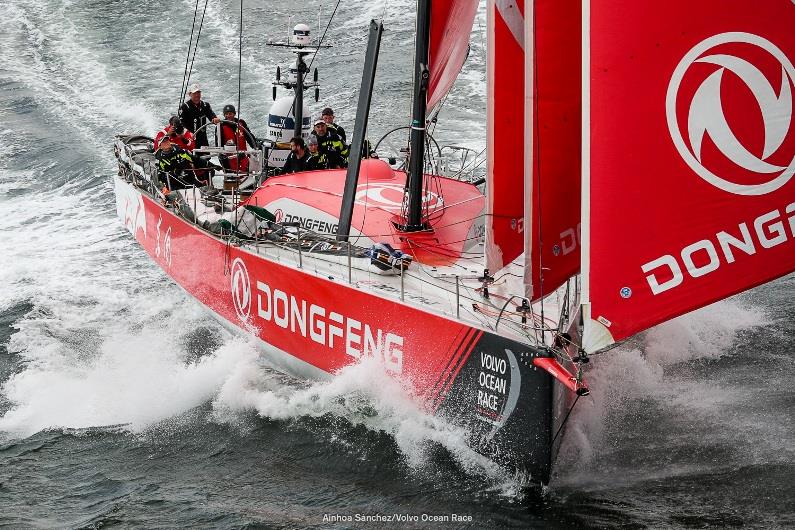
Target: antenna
(299, 43)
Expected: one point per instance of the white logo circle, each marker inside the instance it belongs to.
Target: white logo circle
(241, 289)
(390, 197)
(706, 116)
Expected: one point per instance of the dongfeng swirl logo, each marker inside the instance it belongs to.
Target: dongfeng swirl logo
(758, 167)
(390, 197)
(241, 289)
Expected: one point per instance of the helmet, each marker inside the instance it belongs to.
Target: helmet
(229, 108)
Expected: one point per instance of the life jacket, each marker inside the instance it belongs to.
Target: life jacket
(230, 136)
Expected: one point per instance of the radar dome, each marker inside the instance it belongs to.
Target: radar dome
(301, 35)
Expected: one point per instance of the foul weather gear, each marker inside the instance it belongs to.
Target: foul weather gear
(176, 168)
(334, 149)
(196, 116)
(295, 163)
(230, 135)
(184, 140)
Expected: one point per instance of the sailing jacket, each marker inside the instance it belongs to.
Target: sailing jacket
(294, 163)
(316, 161)
(333, 148)
(173, 163)
(194, 117)
(229, 135)
(228, 132)
(184, 140)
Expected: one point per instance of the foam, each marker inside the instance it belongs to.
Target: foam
(136, 380)
(639, 371)
(363, 394)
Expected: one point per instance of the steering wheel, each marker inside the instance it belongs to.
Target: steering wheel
(249, 137)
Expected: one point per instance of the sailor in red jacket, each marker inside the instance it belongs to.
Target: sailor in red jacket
(177, 134)
(232, 135)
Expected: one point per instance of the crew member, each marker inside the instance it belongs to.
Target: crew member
(232, 134)
(177, 134)
(328, 117)
(298, 157)
(331, 146)
(195, 113)
(175, 166)
(316, 160)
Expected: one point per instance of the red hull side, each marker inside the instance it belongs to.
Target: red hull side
(473, 377)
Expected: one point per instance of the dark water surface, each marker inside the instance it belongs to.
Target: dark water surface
(124, 404)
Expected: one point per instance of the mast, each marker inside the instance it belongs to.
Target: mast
(414, 220)
(298, 107)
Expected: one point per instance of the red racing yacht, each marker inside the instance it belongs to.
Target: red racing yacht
(631, 178)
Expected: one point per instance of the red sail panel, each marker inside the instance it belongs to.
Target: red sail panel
(506, 139)
(451, 24)
(552, 247)
(691, 156)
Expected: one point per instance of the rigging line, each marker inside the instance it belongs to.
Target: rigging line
(565, 419)
(239, 66)
(187, 57)
(196, 46)
(317, 48)
(537, 166)
(324, 34)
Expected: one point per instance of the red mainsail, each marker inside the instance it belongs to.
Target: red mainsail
(689, 146)
(451, 24)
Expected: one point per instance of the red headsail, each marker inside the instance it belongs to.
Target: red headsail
(451, 24)
(690, 156)
(552, 247)
(505, 187)
(534, 134)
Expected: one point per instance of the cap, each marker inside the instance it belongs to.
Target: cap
(229, 108)
(319, 122)
(327, 112)
(165, 138)
(194, 88)
(312, 140)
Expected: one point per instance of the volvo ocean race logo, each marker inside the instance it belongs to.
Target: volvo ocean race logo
(241, 289)
(390, 197)
(729, 116)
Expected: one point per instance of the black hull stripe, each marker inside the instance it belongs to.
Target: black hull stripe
(451, 376)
